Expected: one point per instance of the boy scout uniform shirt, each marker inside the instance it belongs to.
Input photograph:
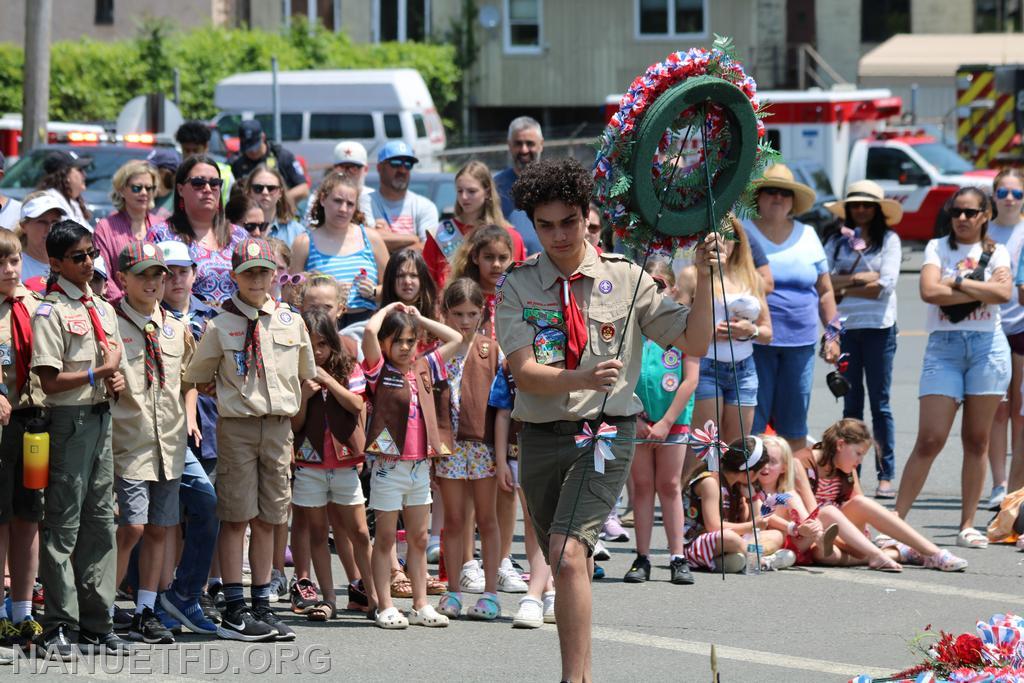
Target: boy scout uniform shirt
(149, 432)
(63, 338)
(287, 360)
(530, 315)
(33, 393)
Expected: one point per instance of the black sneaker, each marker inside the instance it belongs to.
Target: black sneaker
(639, 571)
(28, 630)
(268, 617)
(55, 644)
(206, 601)
(109, 643)
(240, 624)
(122, 620)
(147, 628)
(680, 572)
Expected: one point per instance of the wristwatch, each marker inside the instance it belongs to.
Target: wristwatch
(957, 282)
(3, 389)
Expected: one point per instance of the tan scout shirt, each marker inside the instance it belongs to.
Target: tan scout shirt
(287, 357)
(63, 338)
(33, 395)
(529, 313)
(149, 433)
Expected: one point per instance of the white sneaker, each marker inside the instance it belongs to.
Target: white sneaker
(549, 607)
(601, 553)
(780, 559)
(509, 580)
(471, 578)
(530, 613)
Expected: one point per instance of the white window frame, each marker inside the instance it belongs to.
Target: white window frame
(507, 32)
(403, 20)
(671, 35)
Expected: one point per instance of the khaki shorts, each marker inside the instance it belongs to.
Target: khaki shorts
(253, 466)
(551, 471)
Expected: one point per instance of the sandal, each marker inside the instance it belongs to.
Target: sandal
(450, 605)
(427, 616)
(887, 493)
(435, 586)
(945, 561)
(971, 538)
(884, 563)
(391, 618)
(884, 541)
(487, 608)
(322, 611)
(828, 539)
(401, 586)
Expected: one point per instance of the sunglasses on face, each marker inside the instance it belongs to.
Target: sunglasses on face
(259, 188)
(1003, 193)
(198, 183)
(79, 257)
(401, 163)
(965, 213)
(255, 227)
(290, 279)
(136, 189)
(854, 206)
(776, 192)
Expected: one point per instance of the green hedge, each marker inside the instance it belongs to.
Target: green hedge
(91, 81)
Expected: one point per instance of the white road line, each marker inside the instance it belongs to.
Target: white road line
(695, 647)
(876, 579)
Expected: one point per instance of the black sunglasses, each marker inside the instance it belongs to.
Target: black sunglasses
(401, 163)
(853, 206)
(253, 227)
(79, 257)
(259, 188)
(969, 213)
(198, 183)
(776, 192)
(136, 189)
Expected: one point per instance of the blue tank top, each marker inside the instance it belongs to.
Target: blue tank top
(346, 268)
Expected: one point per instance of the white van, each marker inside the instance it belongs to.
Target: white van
(321, 107)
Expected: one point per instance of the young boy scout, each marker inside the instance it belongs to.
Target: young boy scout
(76, 352)
(20, 401)
(258, 352)
(561, 317)
(149, 435)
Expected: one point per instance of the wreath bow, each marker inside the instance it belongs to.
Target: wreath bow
(707, 445)
(603, 449)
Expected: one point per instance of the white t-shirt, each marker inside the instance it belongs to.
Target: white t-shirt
(1011, 313)
(961, 261)
(10, 214)
(411, 215)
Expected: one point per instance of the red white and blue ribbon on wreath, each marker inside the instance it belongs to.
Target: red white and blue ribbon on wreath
(603, 448)
(707, 445)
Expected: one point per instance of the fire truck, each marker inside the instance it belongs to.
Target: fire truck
(848, 134)
(56, 132)
(990, 113)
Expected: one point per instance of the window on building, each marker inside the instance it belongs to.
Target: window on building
(104, 12)
(882, 19)
(333, 126)
(997, 16)
(523, 26)
(403, 20)
(661, 18)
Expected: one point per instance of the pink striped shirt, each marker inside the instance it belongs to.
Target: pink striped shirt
(112, 235)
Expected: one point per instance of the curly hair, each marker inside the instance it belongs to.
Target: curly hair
(553, 180)
(58, 180)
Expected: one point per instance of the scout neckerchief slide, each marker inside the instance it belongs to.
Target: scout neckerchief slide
(695, 110)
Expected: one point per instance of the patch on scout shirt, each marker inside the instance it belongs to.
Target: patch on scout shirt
(168, 332)
(539, 317)
(78, 327)
(607, 332)
(605, 286)
(241, 364)
(285, 317)
(669, 381)
(385, 444)
(670, 359)
(44, 310)
(549, 346)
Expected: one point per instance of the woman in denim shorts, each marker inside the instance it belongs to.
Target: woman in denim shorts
(966, 361)
(728, 375)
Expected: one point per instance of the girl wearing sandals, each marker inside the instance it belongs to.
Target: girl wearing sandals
(812, 536)
(468, 474)
(964, 279)
(832, 480)
(403, 435)
(709, 494)
(330, 430)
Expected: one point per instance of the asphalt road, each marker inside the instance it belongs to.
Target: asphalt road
(806, 625)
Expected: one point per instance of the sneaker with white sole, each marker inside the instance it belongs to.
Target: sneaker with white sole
(549, 607)
(530, 613)
(998, 495)
(471, 578)
(427, 616)
(509, 580)
(780, 559)
(613, 529)
(601, 553)
(278, 585)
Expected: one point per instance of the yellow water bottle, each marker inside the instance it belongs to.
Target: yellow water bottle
(36, 454)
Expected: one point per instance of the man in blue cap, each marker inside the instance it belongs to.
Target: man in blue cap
(254, 150)
(403, 217)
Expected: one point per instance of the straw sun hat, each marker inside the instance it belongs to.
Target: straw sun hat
(779, 175)
(868, 191)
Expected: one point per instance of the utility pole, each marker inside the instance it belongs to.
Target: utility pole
(36, 107)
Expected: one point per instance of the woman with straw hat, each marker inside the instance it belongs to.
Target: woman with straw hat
(803, 293)
(864, 262)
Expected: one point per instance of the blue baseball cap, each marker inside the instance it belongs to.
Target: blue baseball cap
(165, 157)
(394, 150)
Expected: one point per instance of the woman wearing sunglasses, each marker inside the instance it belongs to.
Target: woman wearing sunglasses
(198, 221)
(134, 189)
(864, 263)
(266, 186)
(1007, 227)
(964, 279)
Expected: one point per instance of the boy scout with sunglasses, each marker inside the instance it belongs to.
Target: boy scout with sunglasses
(76, 352)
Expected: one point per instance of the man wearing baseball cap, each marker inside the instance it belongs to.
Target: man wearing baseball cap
(350, 160)
(403, 217)
(10, 208)
(253, 150)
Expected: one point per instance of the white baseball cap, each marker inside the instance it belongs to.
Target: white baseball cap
(37, 206)
(99, 267)
(350, 152)
(175, 253)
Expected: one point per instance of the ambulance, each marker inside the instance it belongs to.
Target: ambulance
(847, 132)
(56, 132)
